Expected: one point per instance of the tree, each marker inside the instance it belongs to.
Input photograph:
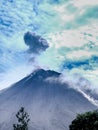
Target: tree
(23, 120)
(86, 121)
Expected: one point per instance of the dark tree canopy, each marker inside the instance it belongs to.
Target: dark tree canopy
(86, 121)
(23, 120)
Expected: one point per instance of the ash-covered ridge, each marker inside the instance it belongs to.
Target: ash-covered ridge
(44, 73)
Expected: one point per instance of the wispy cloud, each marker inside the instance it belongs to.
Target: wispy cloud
(70, 27)
(84, 17)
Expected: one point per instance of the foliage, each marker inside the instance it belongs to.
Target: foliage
(23, 120)
(86, 121)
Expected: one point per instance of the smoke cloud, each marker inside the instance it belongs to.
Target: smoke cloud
(35, 42)
(78, 83)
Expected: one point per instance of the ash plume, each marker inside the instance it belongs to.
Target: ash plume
(36, 43)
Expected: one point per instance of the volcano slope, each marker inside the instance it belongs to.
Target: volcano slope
(52, 105)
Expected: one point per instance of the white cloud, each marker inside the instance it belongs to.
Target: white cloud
(81, 3)
(80, 54)
(68, 39)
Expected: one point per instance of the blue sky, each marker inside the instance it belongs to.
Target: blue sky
(70, 27)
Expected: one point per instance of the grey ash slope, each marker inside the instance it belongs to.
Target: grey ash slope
(51, 105)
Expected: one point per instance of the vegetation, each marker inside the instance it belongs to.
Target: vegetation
(86, 121)
(23, 120)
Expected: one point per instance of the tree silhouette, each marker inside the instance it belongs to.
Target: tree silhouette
(23, 120)
(86, 121)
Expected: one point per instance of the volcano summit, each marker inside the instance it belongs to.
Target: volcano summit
(52, 105)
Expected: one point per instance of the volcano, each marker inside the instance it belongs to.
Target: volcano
(51, 104)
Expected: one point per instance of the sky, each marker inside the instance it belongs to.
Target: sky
(70, 28)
